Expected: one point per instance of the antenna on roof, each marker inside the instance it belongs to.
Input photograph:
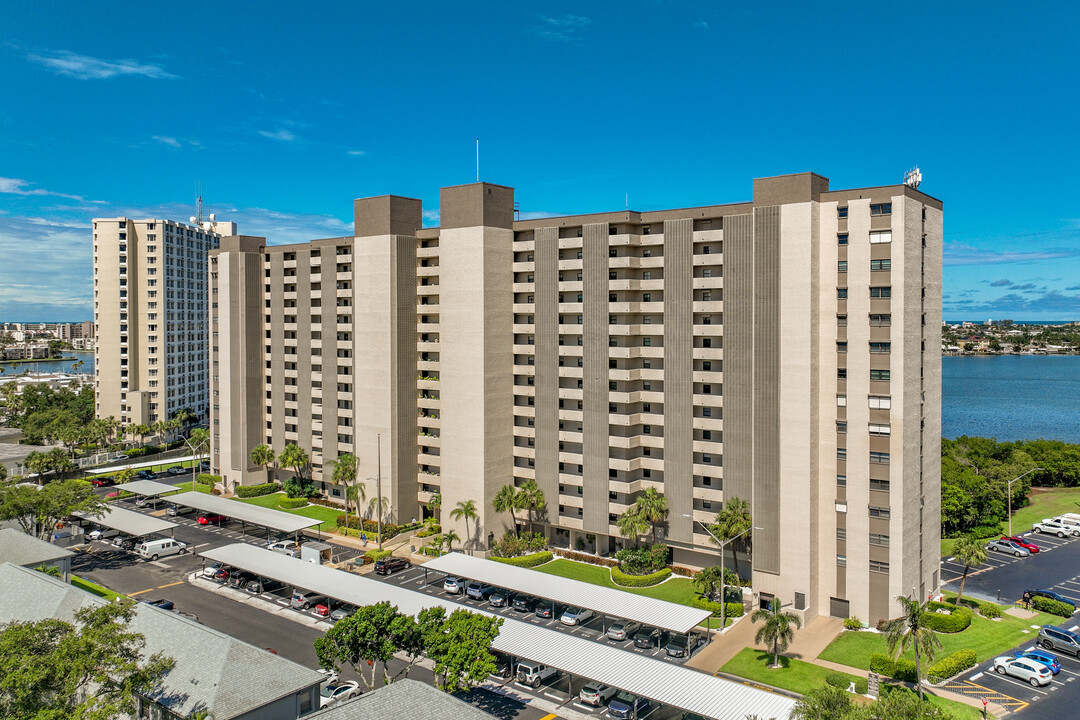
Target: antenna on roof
(197, 218)
(477, 159)
(913, 177)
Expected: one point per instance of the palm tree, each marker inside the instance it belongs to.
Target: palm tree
(466, 509)
(632, 524)
(506, 500)
(652, 506)
(185, 417)
(263, 456)
(709, 580)
(450, 537)
(778, 630)
(731, 522)
(908, 631)
(970, 551)
(531, 498)
(140, 431)
(59, 462)
(295, 457)
(344, 473)
(37, 463)
(197, 441)
(378, 507)
(160, 428)
(434, 504)
(173, 425)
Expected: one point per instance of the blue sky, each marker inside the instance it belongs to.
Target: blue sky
(287, 112)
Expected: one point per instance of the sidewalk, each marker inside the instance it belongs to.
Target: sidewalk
(724, 646)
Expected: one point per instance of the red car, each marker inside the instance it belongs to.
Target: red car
(102, 481)
(323, 609)
(1029, 546)
(212, 519)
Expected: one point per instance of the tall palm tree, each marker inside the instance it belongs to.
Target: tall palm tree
(379, 507)
(141, 431)
(652, 506)
(295, 457)
(434, 504)
(37, 463)
(778, 628)
(908, 631)
(173, 425)
(344, 473)
(185, 416)
(60, 463)
(160, 428)
(531, 498)
(970, 551)
(709, 580)
(263, 456)
(197, 441)
(506, 500)
(731, 522)
(466, 509)
(632, 524)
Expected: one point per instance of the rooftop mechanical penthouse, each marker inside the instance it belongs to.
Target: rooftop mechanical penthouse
(773, 350)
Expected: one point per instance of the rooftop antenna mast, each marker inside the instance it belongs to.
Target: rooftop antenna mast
(477, 159)
(197, 218)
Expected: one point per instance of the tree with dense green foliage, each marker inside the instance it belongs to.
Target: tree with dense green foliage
(910, 631)
(140, 430)
(434, 504)
(733, 521)
(460, 646)
(778, 628)
(295, 457)
(507, 500)
(368, 639)
(652, 506)
(161, 429)
(43, 413)
(971, 552)
(531, 498)
(632, 524)
(263, 456)
(92, 669)
(37, 463)
(449, 538)
(824, 703)
(186, 417)
(465, 510)
(344, 473)
(709, 580)
(895, 703)
(197, 441)
(38, 510)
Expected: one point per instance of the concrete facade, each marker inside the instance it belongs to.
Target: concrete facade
(588, 353)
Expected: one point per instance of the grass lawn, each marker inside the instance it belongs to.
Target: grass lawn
(328, 516)
(1045, 503)
(988, 638)
(677, 589)
(94, 588)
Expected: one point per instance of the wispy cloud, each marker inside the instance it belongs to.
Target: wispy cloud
(960, 254)
(356, 152)
(282, 135)
(1053, 304)
(1001, 283)
(560, 29)
(431, 218)
(15, 186)
(166, 140)
(84, 67)
(701, 25)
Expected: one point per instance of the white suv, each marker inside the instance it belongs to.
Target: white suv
(1055, 527)
(1035, 673)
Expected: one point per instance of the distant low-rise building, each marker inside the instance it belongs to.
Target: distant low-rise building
(403, 699)
(18, 548)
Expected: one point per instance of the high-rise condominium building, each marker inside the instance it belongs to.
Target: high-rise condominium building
(782, 351)
(150, 314)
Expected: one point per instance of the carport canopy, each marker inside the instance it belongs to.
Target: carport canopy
(605, 601)
(245, 512)
(128, 521)
(662, 682)
(147, 488)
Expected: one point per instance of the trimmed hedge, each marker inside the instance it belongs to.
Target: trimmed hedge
(902, 669)
(843, 682)
(620, 578)
(251, 491)
(529, 561)
(585, 557)
(287, 503)
(369, 526)
(958, 619)
(376, 554)
(733, 610)
(207, 479)
(1054, 607)
(951, 665)
(987, 609)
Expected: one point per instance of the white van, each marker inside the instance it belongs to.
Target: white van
(1070, 518)
(159, 547)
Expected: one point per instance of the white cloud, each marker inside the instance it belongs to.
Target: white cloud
(430, 218)
(701, 24)
(280, 135)
(166, 140)
(15, 186)
(356, 152)
(83, 67)
(960, 254)
(560, 29)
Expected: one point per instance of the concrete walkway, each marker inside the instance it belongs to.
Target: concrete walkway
(724, 646)
(812, 640)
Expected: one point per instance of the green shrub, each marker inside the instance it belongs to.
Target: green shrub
(136, 452)
(951, 665)
(642, 560)
(207, 479)
(843, 681)
(376, 554)
(1054, 607)
(510, 545)
(296, 487)
(620, 578)
(852, 623)
(733, 610)
(287, 503)
(368, 526)
(905, 670)
(528, 560)
(250, 491)
(990, 610)
(957, 619)
(882, 664)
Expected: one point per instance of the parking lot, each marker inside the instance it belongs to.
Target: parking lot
(593, 629)
(1004, 578)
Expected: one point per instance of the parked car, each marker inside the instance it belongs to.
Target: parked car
(1041, 656)
(680, 646)
(304, 600)
(627, 705)
(1028, 670)
(102, 533)
(221, 575)
(127, 543)
(141, 501)
(174, 510)
(210, 571)
(260, 585)
(285, 547)
(211, 519)
(119, 540)
(533, 673)
(499, 598)
(160, 547)
(1007, 546)
(1052, 637)
(390, 565)
(1049, 594)
(161, 603)
(327, 606)
(623, 629)
(342, 612)
(239, 579)
(575, 616)
(177, 470)
(648, 638)
(453, 585)
(337, 691)
(503, 665)
(524, 603)
(145, 474)
(1053, 527)
(545, 609)
(596, 694)
(102, 481)
(1029, 546)
(478, 590)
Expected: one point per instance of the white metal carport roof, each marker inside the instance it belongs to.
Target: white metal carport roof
(254, 514)
(606, 601)
(148, 488)
(113, 469)
(660, 681)
(130, 522)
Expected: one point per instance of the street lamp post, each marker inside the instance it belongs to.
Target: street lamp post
(723, 578)
(1008, 491)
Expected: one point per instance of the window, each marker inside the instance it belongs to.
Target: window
(706, 412)
(881, 292)
(841, 293)
(841, 533)
(647, 275)
(841, 321)
(647, 342)
(879, 458)
(878, 237)
(841, 426)
(841, 481)
(881, 430)
(841, 238)
(880, 402)
(841, 212)
(879, 567)
(841, 401)
(841, 560)
(841, 266)
(879, 485)
(841, 347)
(885, 264)
(647, 297)
(841, 453)
(705, 365)
(880, 209)
(879, 512)
(880, 347)
(880, 320)
(841, 373)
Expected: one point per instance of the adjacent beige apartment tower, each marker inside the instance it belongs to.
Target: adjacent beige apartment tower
(150, 316)
(773, 350)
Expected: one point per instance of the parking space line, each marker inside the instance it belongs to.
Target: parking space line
(141, 592)
(162, 587)
(1014, 681)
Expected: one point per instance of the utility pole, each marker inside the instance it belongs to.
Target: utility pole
(378, 486)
